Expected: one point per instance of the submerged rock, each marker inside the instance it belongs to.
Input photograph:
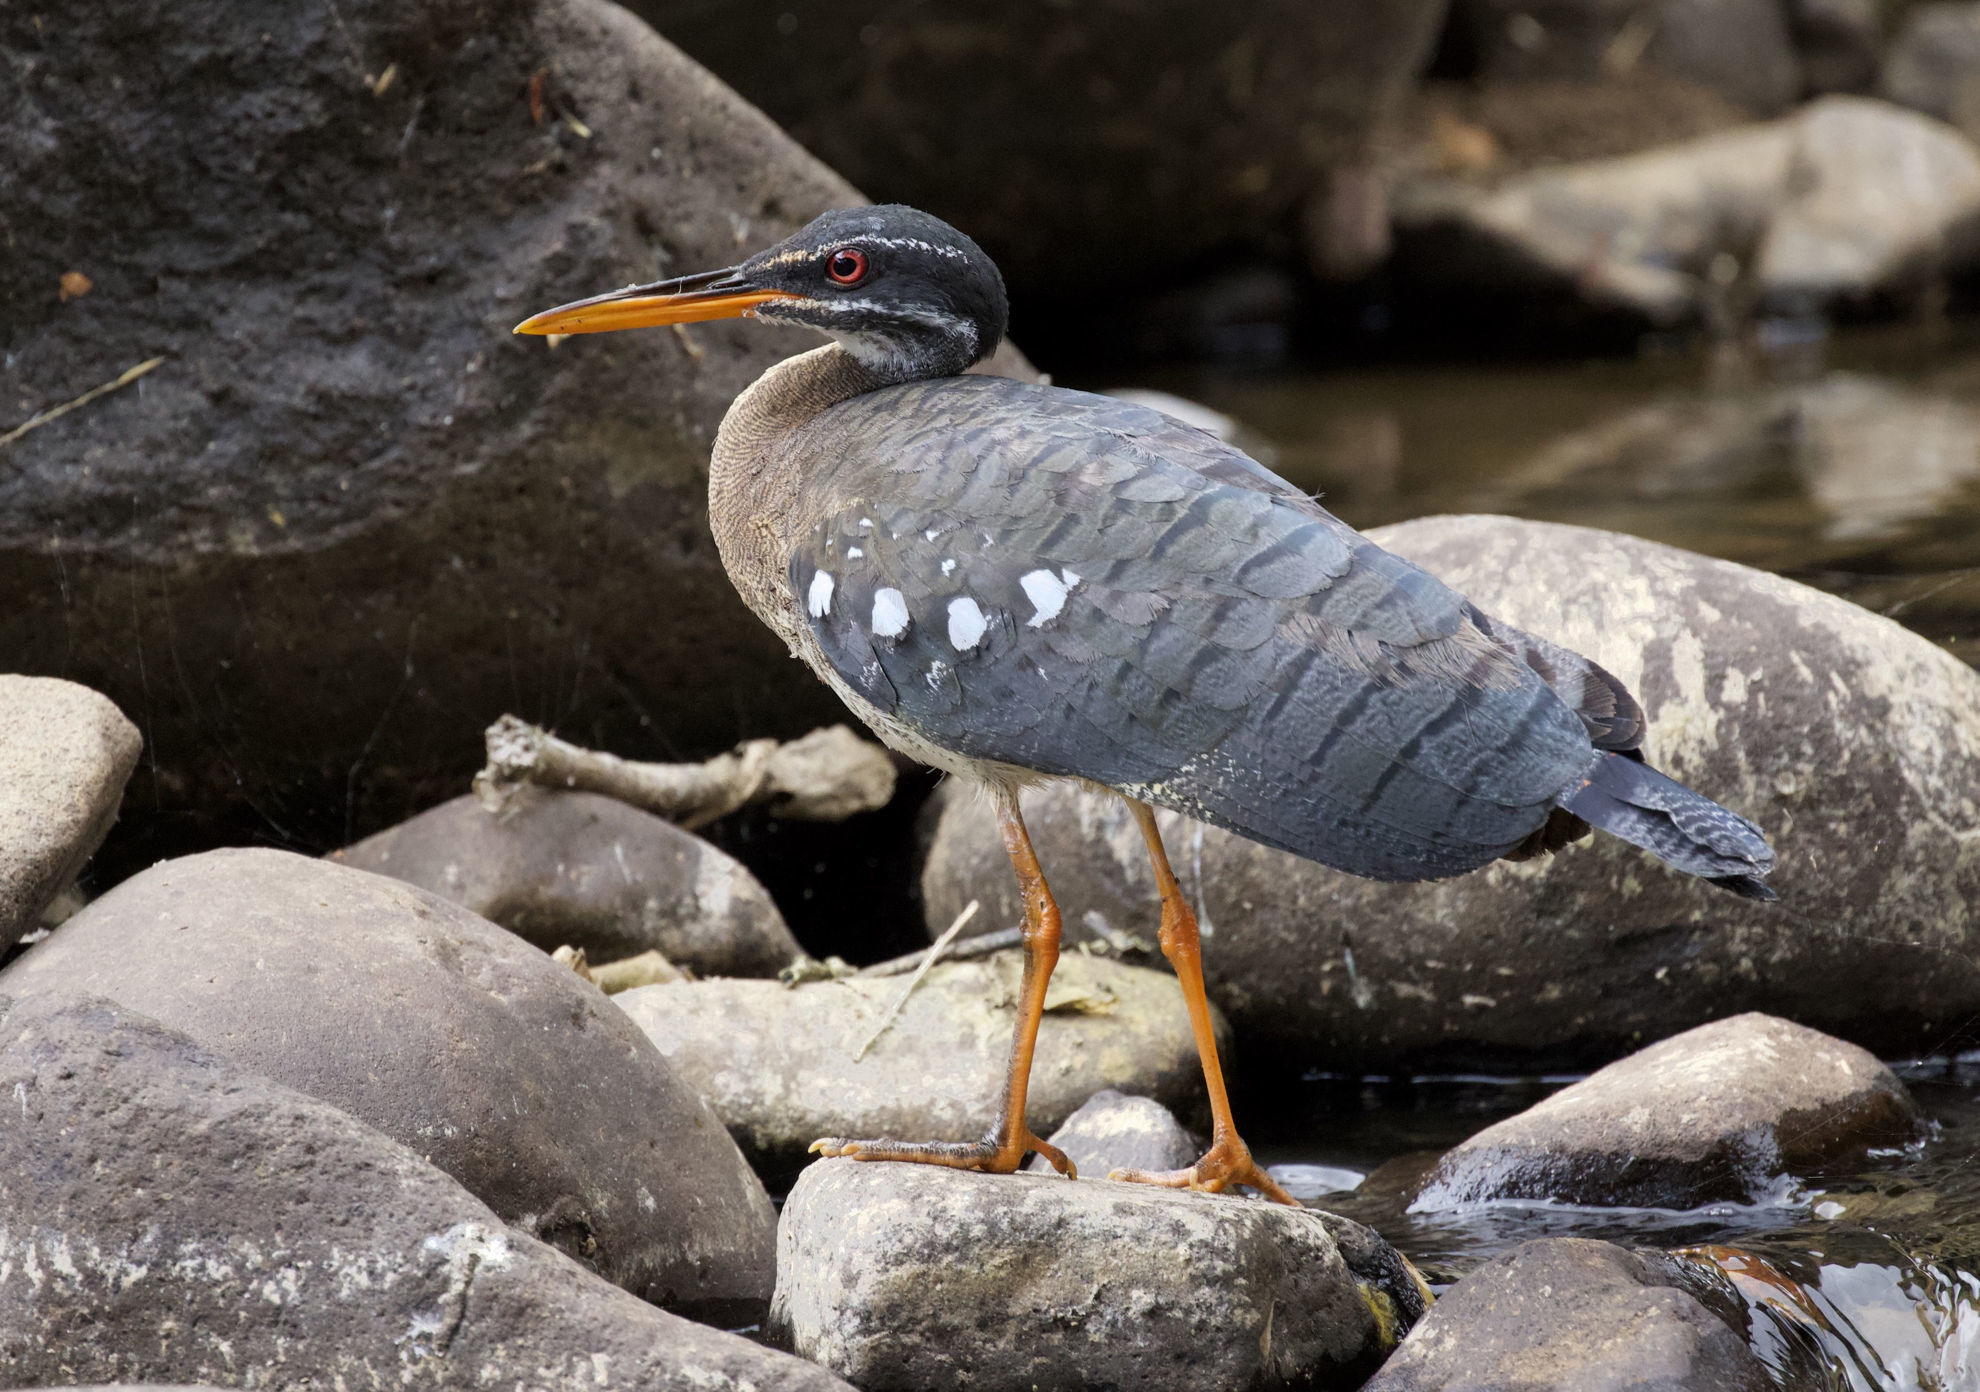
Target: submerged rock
(1570, 1315)
(1853, 743)
(783, 1066)
(173, 1217)
(1113, 1131)
(1847, 203)
(574, 868)
(1717, 1113)
(911, 1277)
(65, 753)
(451, 1036)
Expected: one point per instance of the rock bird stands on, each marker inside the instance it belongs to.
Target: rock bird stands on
(1014, 582)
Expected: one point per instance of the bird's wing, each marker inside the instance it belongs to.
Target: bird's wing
(1081, 586)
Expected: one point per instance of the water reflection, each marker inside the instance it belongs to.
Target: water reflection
(1860, 1278)
(1852, 464)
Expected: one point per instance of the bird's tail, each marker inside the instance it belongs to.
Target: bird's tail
(1627, 798)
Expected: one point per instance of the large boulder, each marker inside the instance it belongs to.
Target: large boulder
(589, 871)
(1718, 1113)
(910, 1277)
(1743, 49)
(1854, 744)
(65, 753)
(1087, 147)
(453, 1037)
(1848, 204)
(783, 1066)
(1570, 1315)
(172, 1217)
(350, 519)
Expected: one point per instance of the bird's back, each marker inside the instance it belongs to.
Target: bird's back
(1082, 586)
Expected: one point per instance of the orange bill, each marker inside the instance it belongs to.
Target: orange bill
(691, 299)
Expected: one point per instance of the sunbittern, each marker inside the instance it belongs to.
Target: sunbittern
(1013, 582)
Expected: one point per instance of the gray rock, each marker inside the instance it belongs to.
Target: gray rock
(407, 521)
(173, 1217)
(1846, 202)
(590, 871)
(451, 1036)
(64, 755)
(1199, 127)
(1933, 65)
(1740, 48)
(909, 1277)
(1854, 743)
(1718, 1113)
(1113, 1131)
(795, 1072)
(1570, 1315)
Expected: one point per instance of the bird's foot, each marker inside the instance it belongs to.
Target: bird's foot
(995, 1154)
(1226, 1163)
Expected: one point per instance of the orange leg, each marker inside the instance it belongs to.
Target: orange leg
(1228, 1161)
(1004, 1149)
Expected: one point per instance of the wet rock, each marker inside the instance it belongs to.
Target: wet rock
(801, 1066)
(1113, 1131)
(451, 1036)
(407, 521)
(1742, 49)
(898, 1276)
(1933, 65)
(173, 1217)
(1849, 203)
(1854, 743)
(1718, 1113)
(589, 871)
(1200, 128)
(65, 753)
(1567, 1315)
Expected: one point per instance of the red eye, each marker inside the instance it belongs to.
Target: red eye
(847, 267)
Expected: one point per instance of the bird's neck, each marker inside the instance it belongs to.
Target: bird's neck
(756, 505)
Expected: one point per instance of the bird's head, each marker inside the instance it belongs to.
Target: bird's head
(905, 293)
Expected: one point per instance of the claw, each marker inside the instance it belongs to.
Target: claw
(1226, 1163)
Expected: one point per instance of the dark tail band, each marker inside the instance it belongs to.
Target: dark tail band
(1691, 833)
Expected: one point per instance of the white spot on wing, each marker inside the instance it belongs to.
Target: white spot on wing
(1047, 593)
(1071, 577)
(853, 553)
(866, 522)
(948, 567)
(819, 601)
(936, 671)
(966, 623)
(890, 615)
(931, 533)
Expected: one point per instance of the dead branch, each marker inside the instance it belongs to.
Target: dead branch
(42, 418)
(825, 777)
(927, 960)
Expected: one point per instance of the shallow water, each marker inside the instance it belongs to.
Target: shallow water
(1851, 463)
